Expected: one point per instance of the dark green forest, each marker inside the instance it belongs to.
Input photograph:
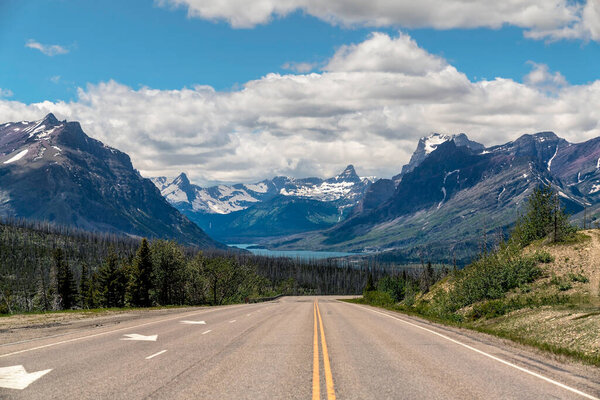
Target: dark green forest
(45, 267)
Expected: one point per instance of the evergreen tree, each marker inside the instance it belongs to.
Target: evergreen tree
(168, 261)
(141, 282)
(113, 282)
(65, 282)
(543, 216)
(84, 285)
(370, 286)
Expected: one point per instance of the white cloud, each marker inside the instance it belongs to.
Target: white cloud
(368, 113)
(5, 93)
(381, 53)
(47, 49)
(586, 25)
(541, 77)
(55, 79)
(554, 19)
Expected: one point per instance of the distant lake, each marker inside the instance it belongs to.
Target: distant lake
(302, 254)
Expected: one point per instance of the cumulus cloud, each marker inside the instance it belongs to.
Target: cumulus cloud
(47, 49)
(554, 19)
(585, 25)
(368, 107)
(542, 78)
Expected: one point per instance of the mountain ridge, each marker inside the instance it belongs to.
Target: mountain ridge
(457, 195)
(51, 170)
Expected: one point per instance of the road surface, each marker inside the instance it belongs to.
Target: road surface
(291, 348)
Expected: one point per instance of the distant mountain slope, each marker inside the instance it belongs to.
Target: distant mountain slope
(268, 208)
(281, 215)
(51, 170)
(457, 195)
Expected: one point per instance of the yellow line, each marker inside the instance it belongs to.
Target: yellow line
(316, 384)
(328, 375)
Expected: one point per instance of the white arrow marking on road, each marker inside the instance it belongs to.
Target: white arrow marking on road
(193, 322)
(16, 377)
(135, 336)
(156, 354)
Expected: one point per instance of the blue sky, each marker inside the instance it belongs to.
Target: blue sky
(138, 43)
(236, 91)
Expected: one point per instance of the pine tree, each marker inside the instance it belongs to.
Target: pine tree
(65, 282)
(370, 286)
(112, 282)
(84, 286)
(543, 216)
(141, 282)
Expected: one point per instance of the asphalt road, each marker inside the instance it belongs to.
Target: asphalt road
(292, 348)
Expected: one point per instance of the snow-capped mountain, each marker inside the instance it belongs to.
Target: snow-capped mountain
(345, 189)
(51, 170)
(272, 207)
(428, 144)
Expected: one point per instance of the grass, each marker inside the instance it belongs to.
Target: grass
(95, 310)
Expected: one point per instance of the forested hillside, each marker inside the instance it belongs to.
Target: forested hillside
(45, 267)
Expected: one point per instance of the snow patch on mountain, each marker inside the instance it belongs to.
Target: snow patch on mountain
(325, 191)
(17, 157)
(432, 141)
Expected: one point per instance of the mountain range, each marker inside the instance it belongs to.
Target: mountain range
(51, 170)
(452, 197)
(456, 193)
(266, 209)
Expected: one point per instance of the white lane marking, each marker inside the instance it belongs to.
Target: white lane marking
(232, 321)
(193, 322)
(552, 381)
(113, 331)
(136, 336)
(204, 333)
(156, 354)
(16, 377)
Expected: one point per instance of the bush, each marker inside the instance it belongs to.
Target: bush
(578, 278)
(377, 298)
(543, 257)
(491, 277)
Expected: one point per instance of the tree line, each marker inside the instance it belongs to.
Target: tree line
(43, 267)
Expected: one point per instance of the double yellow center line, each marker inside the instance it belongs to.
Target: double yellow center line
(326, 365)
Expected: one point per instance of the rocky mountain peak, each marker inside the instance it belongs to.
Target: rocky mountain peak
(50, 120)
(429, 144)
(182, 180)
(348, 175)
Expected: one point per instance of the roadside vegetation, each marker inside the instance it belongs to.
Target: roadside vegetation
(539, 287)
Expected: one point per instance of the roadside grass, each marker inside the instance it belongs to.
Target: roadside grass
(96, 310)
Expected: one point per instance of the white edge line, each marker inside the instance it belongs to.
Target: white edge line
(113, 331)
(204, 333)
(156, 354)
(552, 381)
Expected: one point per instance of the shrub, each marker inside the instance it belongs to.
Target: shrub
(377, 298)
(578, 278)
(543, 257)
